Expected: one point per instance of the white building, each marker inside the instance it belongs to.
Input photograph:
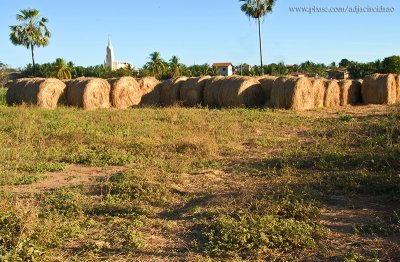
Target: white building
(225, 69)
(111, 62)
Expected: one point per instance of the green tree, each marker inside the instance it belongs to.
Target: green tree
(277, 69)
(31, 32)
(156, 64)
(391, 65)
(213, 71)
(360, 70)
(313, 69)
(3, 74)
(175, 66)
(345, 62)
(257, 9)
(63, 69)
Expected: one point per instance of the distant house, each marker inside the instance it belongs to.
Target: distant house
(292, 67)
(225, 69)
(297, 74)
(340, 73)
(242, 68)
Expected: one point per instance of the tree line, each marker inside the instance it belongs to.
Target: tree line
(156, 67)
(162, 69)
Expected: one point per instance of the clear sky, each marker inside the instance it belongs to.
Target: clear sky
(204, 31)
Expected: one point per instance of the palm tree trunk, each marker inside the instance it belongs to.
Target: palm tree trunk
(260, 38)
(33, 56)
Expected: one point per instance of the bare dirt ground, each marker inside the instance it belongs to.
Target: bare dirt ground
(342, 217)
(72, 175)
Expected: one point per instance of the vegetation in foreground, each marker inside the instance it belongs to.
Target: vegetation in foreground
(199, 185)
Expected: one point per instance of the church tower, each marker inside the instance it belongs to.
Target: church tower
(110, 59)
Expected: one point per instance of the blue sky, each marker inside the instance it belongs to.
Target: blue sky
(204, 31)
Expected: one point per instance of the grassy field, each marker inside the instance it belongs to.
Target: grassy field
(199, 185)
(2, 96)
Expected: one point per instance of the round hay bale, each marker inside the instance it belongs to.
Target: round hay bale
(278, 99)
(332, 93)
(41, 92)
(88, 93)
(211, 90)
(125, 92)
(150, 89)
(224, 93)
(237, 91)
(299, 94)
(398, 89)
(266, 83)
(350, 92)
(293, 93)
(170, 90)
(319, 92)
(379, 89)
(191, 92)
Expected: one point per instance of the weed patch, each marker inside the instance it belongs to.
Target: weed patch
(61, 202)
(98, 157)
(41, 167)
(248, 234)
(15, 243)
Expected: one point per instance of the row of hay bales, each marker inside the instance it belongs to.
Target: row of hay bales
(87, 93)
(309, 93)
(234, 91)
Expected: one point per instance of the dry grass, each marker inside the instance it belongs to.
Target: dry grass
(157, 184)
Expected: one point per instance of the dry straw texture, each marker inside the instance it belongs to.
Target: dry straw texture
(45, 93)
(267, 82)
(150, 89)
(211, 90)
(319, 91)
(332, 93)
(191, 92)
(236, 91)
(398, 89)
(88, 93)
(350, 92)
(125, 92)
(170, 91)
(379, 89)
(278, 99)
(293, 93)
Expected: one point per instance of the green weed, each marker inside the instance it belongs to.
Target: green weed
(3, 92)
(62, 202)
(41, 167)
(248, 234)
(15, 243)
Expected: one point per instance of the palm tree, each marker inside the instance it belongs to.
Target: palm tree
(257, 9)
(156, 64)
(175, 66)
(213, 71)
(31, 32)
(63, 70)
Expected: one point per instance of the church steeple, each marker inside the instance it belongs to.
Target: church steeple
(110, 58)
